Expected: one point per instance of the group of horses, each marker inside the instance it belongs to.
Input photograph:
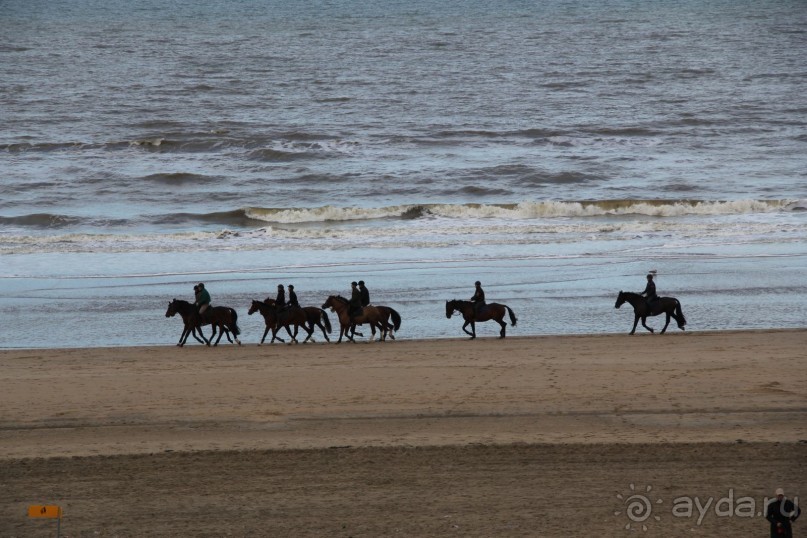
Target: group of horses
(224, 320)
(383, 319)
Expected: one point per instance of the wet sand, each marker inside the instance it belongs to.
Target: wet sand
(521, 437)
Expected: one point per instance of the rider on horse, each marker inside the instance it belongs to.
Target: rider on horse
(354, 306)
(280, 300)
(650, 293)
(479, 298)
(293, 297)
(202, 299)
(365, 294)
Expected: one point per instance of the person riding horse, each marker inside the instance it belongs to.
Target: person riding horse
(365, 294)
(292, 297)
(202, 299)
(479, 298)
(280, 300)
(354, 305)
(650, 293)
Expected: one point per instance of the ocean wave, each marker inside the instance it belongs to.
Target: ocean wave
(178, 178)
(415, 234)
(524, 210)
(41, 220)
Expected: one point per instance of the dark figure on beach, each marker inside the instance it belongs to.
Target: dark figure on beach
(479, 298)
(650, 293)
(365, 294)
(202, 299)
(292, 297)
(781, 513)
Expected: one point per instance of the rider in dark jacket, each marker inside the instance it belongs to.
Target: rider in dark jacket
(650, 292)
(293, 297)
(280, 300)
(479, 298)
(354, 306)
(365, 293)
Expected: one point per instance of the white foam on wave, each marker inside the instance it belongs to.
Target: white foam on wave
(418, 233)
(519, 211)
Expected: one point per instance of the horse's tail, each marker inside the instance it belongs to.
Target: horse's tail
(396, 318)
(513, 318)
(680, 314)
(235, 329)
(325, 320)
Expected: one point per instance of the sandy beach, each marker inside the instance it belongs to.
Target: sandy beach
(532, 436)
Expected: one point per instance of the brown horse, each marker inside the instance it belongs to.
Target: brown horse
(664, 305)
(389, 328)
(294, 316)
(369, 315)
(223, 318)
(490, 311)
(316, 317)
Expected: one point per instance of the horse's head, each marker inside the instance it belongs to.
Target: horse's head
(620, 300)
(254, 307)
(328, 303)
(450, 307)
(172, 309)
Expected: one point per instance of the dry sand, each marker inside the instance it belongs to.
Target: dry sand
(522, 437)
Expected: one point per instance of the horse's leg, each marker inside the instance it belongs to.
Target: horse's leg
(644, 318)
(503, 332)
(310, 331)
(470, 333)
(318, 324)
(668, 322)
(265, 332)
(635, 322)
(221, 332)
(275, 336)
(294, 336)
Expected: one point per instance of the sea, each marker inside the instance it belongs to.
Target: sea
(555, 150)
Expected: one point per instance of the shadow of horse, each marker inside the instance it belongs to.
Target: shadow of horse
(223, 318)
(490, 311)
(664, 305)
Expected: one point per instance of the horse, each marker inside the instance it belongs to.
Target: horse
(295, 316)
(369, 314)
(664, 305)
(389, 328)
(490, 311)
(222, 317)
(189, 326)
(316, 317)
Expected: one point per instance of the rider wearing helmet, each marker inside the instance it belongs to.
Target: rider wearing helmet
(280, 300)
(650, 293)
(479, 298)
(293, 297)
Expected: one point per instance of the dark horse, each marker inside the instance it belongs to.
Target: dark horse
(316, 317)
(222, 317)
(490, 311)
(294, 316)
(664, 305)
(387, 313)
(370, 315)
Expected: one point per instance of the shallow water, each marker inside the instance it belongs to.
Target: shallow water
(556, 152)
